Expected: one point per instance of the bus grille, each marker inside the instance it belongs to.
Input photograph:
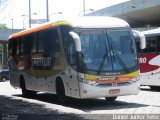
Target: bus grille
(115, 84)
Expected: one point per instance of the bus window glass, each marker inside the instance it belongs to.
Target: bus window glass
(47, 44)
(123, 48)
(18, 46)
(68, 45)
(51, 42)
(71, 53)
(41, 41)
(95, 50)
(158, 43)
(69, 48)
(14, 47)
(151, 43)
(22, 45)
(54, 41)
(34, 43)
(138, 46)
(108, 50)
(26, 41)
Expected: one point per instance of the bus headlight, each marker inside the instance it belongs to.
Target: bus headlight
(90, 82)
(135, 79)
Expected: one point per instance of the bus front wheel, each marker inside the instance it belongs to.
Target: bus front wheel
(60, 91)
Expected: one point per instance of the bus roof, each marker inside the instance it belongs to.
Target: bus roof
(78, 22)
(153, 32)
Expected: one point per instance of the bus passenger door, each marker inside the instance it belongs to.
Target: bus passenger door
(72, 69)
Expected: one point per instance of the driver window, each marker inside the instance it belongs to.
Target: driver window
(71, 52)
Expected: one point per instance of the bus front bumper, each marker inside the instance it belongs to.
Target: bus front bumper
(92, 91)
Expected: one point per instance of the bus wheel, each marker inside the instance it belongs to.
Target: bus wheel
(25, 92)
(110, 99)
(60, 91)
(4, 79)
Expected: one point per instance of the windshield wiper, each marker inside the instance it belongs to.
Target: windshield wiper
(102, 63)
(123, 65)
(103, 59)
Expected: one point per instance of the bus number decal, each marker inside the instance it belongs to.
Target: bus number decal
(142, 60)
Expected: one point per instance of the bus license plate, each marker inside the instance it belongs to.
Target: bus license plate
(114, 91)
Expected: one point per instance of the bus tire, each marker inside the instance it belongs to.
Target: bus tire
(60, 90)
(110, 99)
(25, 92)
(4, 79)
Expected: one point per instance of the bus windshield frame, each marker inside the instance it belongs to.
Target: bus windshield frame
(108, 51)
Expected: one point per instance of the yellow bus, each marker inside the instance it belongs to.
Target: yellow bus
(85, 57)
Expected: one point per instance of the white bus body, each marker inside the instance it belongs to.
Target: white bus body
(149, 59)
(77, 58)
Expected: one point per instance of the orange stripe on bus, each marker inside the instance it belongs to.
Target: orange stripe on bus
(44, 27)
(32, 30)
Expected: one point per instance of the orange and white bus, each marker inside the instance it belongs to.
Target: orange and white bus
(86, 57)
(149, 59)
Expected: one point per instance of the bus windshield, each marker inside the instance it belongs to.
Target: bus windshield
(108, 50)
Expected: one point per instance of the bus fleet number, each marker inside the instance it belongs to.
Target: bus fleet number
(142, 60)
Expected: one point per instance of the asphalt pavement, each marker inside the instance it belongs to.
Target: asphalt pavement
(45, 106)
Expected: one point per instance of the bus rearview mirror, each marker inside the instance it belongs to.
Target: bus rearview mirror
(77, 40)
(142, 38)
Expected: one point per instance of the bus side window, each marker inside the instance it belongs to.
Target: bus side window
(158, 44)
(21, 45)
(41, 41)
(34, 43)
(51, 43)
(153, 46)
(47, 44)
(71, 52)
(68, 46)
(18, 46)
(10, 47)
(55, 40)
(69, 49)
(27, 44)
(14, 47)
(150, 46)
(138, 47)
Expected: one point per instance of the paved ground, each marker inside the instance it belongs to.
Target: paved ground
(46, 106)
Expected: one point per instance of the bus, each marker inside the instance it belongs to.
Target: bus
(149, 60)
(84, 57)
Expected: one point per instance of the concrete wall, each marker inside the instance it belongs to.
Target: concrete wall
(139, 13)
(126, 7)
(4, 35)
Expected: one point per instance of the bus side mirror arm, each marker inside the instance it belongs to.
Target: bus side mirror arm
(77, 40)
(142, 38)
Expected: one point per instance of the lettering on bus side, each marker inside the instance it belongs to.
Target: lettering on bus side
(142, 60)
(44, 63)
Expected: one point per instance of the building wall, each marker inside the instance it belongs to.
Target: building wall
(138, 13)
(126, 7)
(4, 35)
